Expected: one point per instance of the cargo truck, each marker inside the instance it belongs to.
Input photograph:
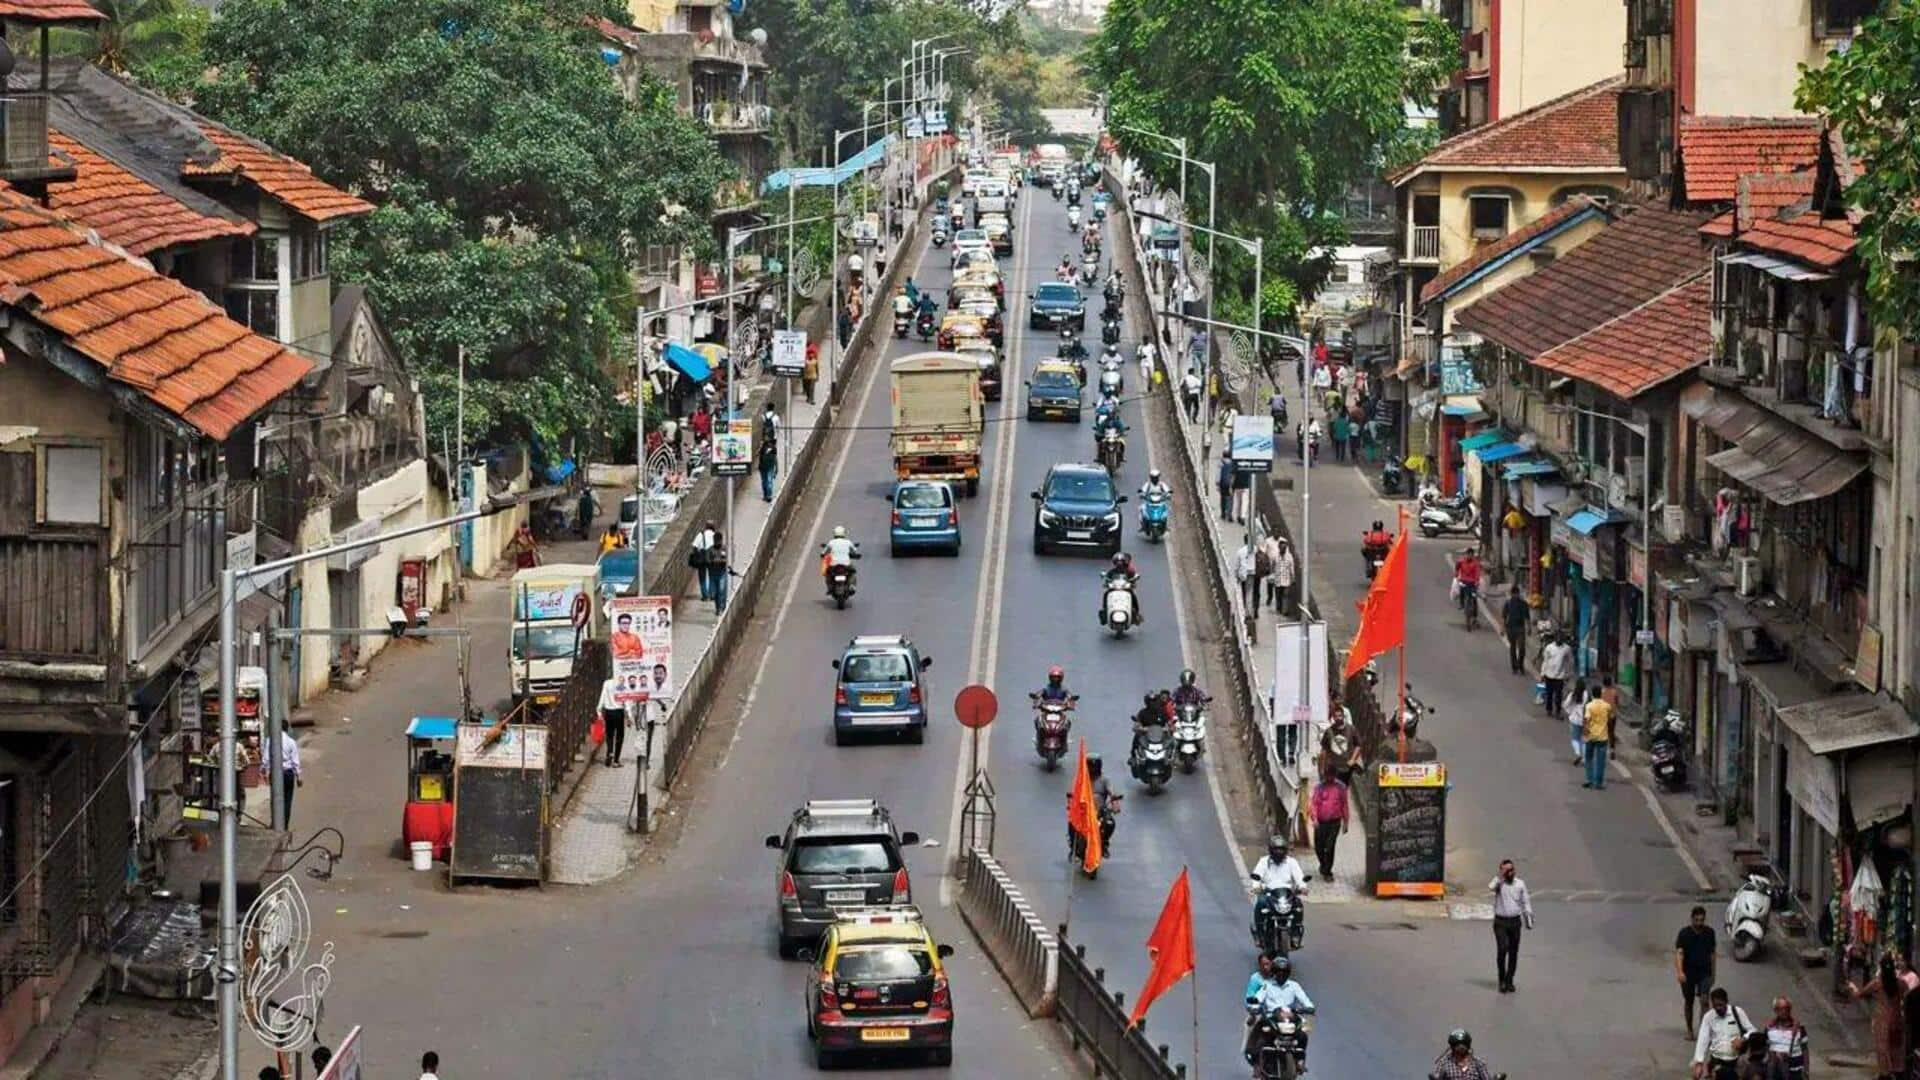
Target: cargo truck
(554, 608)
(939, 418)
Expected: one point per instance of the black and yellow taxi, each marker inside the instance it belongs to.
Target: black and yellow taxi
(878, 984)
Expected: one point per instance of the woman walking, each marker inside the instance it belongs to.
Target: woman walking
(1887, 993)
(1575, 714)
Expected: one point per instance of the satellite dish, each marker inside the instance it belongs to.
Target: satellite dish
(6, 59)
(758, 35)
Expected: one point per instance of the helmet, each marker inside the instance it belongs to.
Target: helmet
(1460, 1037)
(1187, 676)
(1378, 527)
(1093, 765)
(839, 532)
(1278, 843)
(1153, 476)
(1120, 560)
(1056, 674)
(1283, 968)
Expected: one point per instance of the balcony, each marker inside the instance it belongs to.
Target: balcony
(1423, 244)
(734, 197)
(733, 117)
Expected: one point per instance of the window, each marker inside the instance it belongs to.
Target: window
(1338, 274)
(309, 255)
(70, 485)
(1488, 215)
(252, 297)
(1839, 18)
(256, 309)
(255, 259)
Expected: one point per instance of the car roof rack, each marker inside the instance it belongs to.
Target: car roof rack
(888, 915)
(842, 808)
(878, 640)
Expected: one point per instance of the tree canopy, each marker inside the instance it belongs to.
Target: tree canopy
(1871, 93)
(1294, 100)
(514, 181)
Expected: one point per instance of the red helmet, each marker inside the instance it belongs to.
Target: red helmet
(1056, 673)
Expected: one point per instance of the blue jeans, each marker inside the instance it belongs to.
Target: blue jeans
(719, 589)
(706, 582)
(1577, 739)
(767, 472)
(1597, 764)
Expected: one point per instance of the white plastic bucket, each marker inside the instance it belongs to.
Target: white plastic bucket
(422, 854)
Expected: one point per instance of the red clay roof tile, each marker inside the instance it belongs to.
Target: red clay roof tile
(1716, 151)
(128, 211)
(1819, 242)
(1765, 195)
(1645, 253)
(1721, 226)
(1546, 222)
(1661, 339)
(276, 174)
(1575, 131)
(49, 11)
(149, 332)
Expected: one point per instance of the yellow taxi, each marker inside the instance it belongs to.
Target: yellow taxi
(878, 984)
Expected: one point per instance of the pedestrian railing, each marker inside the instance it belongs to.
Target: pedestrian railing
(1015, 939)
(1096, 1020)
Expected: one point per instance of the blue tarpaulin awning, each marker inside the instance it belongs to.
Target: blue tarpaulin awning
(1485, 438)
(687, 362)
(823, 177)
(1585, 520)
(1529, 467)
(432, 727)
(1499, 452)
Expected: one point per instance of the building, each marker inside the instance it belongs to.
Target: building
(1520, 53)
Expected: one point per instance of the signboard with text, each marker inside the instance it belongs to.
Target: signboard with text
(733, 448)
(642, 648)
(1252, 444)
(790, 352)
(1407, 849)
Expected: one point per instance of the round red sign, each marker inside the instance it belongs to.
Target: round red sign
(975, 706)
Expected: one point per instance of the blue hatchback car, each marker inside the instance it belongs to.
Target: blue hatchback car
(925, 515)
(881, 688)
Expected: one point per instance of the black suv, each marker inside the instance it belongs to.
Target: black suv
(1077, 506)
(836, 853)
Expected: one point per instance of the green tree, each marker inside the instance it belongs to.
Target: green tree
(513, 178)
(134, 33)
(1871, 93)
(1294, 100)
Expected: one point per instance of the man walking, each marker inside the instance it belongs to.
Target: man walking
(769, 451)
(1266, 561)
(1246, 569)
(1513, 615)
(1512, 912)
(1280, 585)
(289, 772)
(1190, 394)
(613, 721)
(1598, 732)
(1329, 818)
(1693, 964)
(1224, 483)
(697, 554)
(1556, 666)
(1723, 1030)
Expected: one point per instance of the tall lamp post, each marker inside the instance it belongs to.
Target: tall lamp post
(1213, 270)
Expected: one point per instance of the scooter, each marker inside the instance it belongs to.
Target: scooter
(840, 584)
(1152, 761)
(1113, 446)
(1392, 476)
(1077, 847)
(1666, 749)
(1116, 605)
(1110, 329)
(1154, 510)
(1051, 722)
(1276, 1039)
(1278, 926)
(924, 326)
(1112, 378)
(1073, 219)
(1189, 734)
(1089, 269)
(902, 322)
(1456, 518)
(939, 236)
(1748, 913)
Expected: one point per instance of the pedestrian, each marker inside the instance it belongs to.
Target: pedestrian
(702, 423)
(1514, 615)
(1266, 558)
(1575, 714)
(1146, 366)
(1224, 482)
(1723, 1030)
(1556, 664)
(1190, 394)
(1329, 819)
(810, 373)
(319, 1055)
(429, 1066)
(1693, 963)
(1598, 732)
(1339, 426)
(1242, 494)
(1512, 912)
(769, 451)
(1339, 744)
(1245, 563)
(1227, 416)
(290, 775)
(718, 571)
(1887, 993)
(1786, 1040)
(1280, 585)
(612, 538)
(844, 325)
(613, 721)
(697, 550)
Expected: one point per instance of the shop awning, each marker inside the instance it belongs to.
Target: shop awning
(1466, 405)
(1773, 456)
(1498, 452)
(1529, 467)
(1780, 268)
(1848, 722)
(1586, 519)
(1485, 438)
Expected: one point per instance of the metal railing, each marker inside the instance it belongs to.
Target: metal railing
(1425, 242)
(1019, 944)
(1096, 1020)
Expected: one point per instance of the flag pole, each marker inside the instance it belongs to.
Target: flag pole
(1193, 984)
(1403, 649)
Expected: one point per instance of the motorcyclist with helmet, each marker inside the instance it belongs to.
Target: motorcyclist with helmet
(1278, 869)
(1156, 488)
(1374, 544)
(1123, 567)
(1273, 993)
(1056, 688)
(1104, 801)
(1189, 692)
(839, 551)
(1458, 1063)
(1156, 712)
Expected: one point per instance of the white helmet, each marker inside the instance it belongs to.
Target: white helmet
(839, 532)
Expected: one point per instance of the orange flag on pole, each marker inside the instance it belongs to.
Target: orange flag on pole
(1170, 946)
(1083, 812)
(1383, 615)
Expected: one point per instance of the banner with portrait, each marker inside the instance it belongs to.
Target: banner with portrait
(641, 646)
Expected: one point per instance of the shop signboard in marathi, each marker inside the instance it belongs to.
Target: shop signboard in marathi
(790, 353)
(1407, 854)
(1456, 374)
(733, 448)
(641, 646)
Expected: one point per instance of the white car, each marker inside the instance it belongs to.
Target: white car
(970, 183)
(970, 240)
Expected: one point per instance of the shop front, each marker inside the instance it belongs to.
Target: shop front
(1590, 541)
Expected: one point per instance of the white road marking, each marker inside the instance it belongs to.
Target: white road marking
(1700, 877)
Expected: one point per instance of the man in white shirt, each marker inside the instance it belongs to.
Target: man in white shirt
(1556, 667)
(1723, 1030)
(1243, 567)
(429, 1066)
(1512, 909)
(1279, 870)
(1146, 366)
(289, 772)
(613, 720)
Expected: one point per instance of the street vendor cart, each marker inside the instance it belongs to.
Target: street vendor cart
(428, 816)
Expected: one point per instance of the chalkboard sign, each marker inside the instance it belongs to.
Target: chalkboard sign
(1408, 853)
(500, 803)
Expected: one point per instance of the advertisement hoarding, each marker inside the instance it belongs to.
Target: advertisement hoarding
(642, 648)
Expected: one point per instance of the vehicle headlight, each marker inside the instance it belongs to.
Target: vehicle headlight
(1048, 517)
(1113, 518)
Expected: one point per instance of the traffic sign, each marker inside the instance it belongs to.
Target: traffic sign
(580, 611)
(975, 706)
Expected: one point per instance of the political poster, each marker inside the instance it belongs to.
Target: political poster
(641, 646)
(790, 352)
(733, 448)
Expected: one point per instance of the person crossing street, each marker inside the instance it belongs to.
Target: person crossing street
(1512, 913)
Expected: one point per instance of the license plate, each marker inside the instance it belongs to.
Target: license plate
(876, 699)
(846, 896)
(883, 1035)
(926, 522)
(1079, 534)
(545, 699)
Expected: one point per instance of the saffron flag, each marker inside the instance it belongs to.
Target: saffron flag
(1383, 615)
(1170, 947)
(1083, 813)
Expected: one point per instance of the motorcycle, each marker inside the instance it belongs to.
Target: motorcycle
(1073, 219)
(1051, 722)
(939, 236)
(1154, 510)
(1457, 516)
(1077, 847)
(1392, 476)
(1277, 1054)
(840, 584)
(1113, 445)
(1375, 556)
(1116, 605)
(924, 326)
(1152, 759)
(901, 323)
(1089, 268)
(1278, 921)
(1748, 913)
(1666, 750)
(1110, 330)
(1189, 734)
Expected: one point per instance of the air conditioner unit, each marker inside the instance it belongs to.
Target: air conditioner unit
(1617, 493)
(1636, 468)
(1746, 573)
